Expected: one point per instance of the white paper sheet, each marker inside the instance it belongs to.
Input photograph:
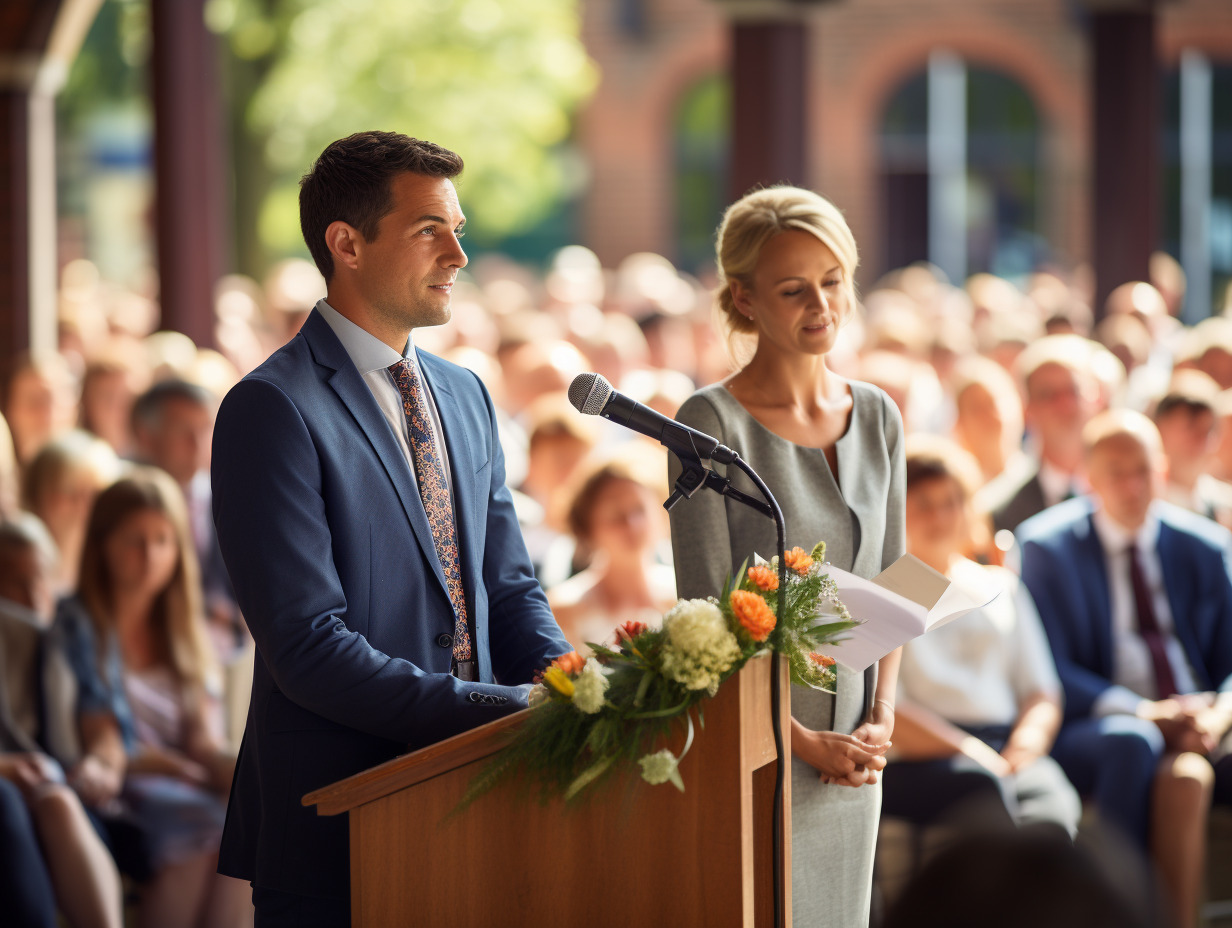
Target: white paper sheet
(902, 602)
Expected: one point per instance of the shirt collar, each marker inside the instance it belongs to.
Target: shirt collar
(1115, 538)
(367, 352)
(1056, 484)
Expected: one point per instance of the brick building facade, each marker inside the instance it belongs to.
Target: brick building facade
(651, 53)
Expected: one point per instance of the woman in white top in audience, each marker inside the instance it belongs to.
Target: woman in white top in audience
(979, 699)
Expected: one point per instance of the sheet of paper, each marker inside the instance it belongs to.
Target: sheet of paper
(902, 602)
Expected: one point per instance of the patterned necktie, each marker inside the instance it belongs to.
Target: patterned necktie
(1148, 627)
(434, 491)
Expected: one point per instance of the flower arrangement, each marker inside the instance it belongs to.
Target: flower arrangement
(593, 713)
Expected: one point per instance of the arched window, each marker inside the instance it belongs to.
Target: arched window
(960, 172)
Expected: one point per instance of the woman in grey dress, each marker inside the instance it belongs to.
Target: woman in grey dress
(831, 451)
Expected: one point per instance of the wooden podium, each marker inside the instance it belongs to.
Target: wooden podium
(629, 855)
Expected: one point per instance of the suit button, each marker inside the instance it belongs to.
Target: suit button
(445, 641)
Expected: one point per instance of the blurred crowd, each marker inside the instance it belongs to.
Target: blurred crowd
(127, 662)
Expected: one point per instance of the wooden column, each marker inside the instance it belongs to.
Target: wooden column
(769, 75)
(189, 147)
(14, 226)
(38, 41)
(1124, 173)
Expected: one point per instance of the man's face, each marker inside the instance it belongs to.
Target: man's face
(180, 442)
(1059, 402)
(1189, 435)
(406, 274)
(1125, 475)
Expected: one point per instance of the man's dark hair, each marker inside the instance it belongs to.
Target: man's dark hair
(147, 409)
(351, 181)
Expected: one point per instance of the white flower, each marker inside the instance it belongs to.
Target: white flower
(590, 687)
(660, 767)
(699, 648)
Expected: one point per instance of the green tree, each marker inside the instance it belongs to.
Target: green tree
(496, 80)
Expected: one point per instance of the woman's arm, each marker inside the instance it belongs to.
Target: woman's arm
(924, 735)
(1034, 732)
(98, 776)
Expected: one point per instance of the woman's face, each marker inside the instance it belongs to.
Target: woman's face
(797, 298)
(936, 522)
(142, 553)
(622, 518)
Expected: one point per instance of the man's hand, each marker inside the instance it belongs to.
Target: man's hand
(1177, 720)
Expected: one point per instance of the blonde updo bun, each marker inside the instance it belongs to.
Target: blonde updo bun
(752, 221)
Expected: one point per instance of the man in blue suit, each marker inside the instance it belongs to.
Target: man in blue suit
(1136, 598)
(361, 507)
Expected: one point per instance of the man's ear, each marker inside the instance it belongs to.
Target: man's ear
(344, 243)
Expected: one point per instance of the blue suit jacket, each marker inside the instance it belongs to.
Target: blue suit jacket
(333, 563)
(1063, 567)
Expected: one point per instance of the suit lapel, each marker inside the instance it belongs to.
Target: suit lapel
(1091, 563)
(357, 398)
(1179, 588)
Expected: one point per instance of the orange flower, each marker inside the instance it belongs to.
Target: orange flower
(763, 577)
(821, 660)
(629, 630)
(754, 615)
(570, 663)
(798, 561)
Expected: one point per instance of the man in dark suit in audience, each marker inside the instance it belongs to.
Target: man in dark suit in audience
(1061, 396)
(360, 499)
(1136, 598)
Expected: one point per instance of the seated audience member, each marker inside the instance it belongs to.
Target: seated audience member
(1061, 396)
(139, 647)
(1136, 599)
(1188, 427)
(615, 514)
(979, 700)
(559, 440)
(52, 854)
(107, 396)
(39, 403)
(60, 486)
(173, 423)
(989, 416)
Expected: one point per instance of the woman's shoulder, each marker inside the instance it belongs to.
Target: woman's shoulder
(874, 410)
(711, 409)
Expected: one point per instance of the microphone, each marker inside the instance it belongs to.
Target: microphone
(592, 395)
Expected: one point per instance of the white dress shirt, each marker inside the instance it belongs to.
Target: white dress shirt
(982, 668)
(1133, 674)
(373, 358)
(1058, 486)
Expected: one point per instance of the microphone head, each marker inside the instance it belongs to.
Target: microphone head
(589, 393)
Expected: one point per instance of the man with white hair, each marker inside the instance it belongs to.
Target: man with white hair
(1136, 598)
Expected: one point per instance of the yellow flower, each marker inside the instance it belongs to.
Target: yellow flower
(558, 680)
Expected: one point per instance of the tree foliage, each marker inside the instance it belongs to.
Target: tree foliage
(496, 80)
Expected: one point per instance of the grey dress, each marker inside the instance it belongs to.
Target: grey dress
(834, 828)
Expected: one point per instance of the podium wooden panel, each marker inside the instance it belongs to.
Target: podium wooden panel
(631, 854)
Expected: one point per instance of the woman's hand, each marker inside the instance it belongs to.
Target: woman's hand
(838, 758)
(879, 725)
(95, 781)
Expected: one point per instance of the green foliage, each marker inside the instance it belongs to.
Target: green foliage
(495, 80)
(562, 750)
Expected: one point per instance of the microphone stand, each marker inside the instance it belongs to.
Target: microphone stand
(693, 477)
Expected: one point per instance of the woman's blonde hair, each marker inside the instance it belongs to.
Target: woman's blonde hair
(178, 615)
(756, 218)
